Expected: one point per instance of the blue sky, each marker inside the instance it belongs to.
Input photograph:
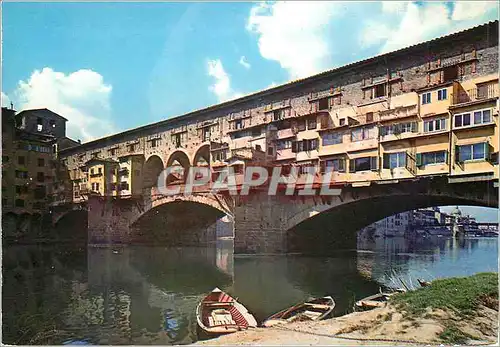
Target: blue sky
(108, 67)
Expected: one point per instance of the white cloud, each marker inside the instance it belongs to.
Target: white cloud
(404, 24)
(272, 85)
(466, 10)
(82, 97)
(5, 100)
(244, 62)
(222, 85)
(294, 34)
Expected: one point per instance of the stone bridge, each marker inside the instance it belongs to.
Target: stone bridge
(261, 223)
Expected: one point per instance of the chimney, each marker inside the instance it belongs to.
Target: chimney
(79, 141)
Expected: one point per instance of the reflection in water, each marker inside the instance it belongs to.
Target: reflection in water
(148, 295)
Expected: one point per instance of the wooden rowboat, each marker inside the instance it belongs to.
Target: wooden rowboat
(373, 301)
(219, 313)
(315, 309)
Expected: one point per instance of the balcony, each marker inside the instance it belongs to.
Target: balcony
(476, 95)
(248, 153)
(99, 174)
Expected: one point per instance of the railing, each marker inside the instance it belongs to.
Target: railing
(483, 92)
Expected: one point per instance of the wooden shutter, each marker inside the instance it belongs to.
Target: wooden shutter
(383, 131)
(486, 150)
(373, 163)
(294, 147)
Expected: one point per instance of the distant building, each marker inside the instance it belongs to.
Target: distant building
(31, 174)
(396, 225)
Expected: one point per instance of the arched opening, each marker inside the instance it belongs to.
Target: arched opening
(152, 169)
(202, 156)
(177, 223)
(178, 159)
(72, 226)
(336, 228)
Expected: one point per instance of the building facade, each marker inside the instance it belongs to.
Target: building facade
(32, 177)
(430, 109)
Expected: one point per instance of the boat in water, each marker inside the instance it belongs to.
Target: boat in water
(315, 309)
(219, 313)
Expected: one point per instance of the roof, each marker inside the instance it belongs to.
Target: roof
(42, 110)
(280, 88)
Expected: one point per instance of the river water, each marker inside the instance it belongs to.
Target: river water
(148, 295)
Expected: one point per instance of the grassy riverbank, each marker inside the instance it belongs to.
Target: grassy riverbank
(449, 311)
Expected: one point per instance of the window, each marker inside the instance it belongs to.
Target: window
(331, 139)
(92, 171)
(5, 158)
(284, 125)
(278, 114)
(430, 158)
(434, 125)
(177, 140)
(238, 124)
(301, 125)
(476, 151)
(99, 170)
(155, 142)
(97, 186)
(394, 160)
(131, 148)
(112, 151)
(41, 162)
(426, 98)
(40, 176)
(270, 151)
(258, 148)
(379, 90)
(362, 134)
(323, 104)
(369, 117)
(39, 124)
(19, 203)
(442, 94)
(462, 120)
(256, 131)
(482, 91)
(363, 164)
(311, 123)
(337, 165)
(20, 160)
(482, 117)
(450, 73)
(342, 121)
(304, 145)
(124, 186)
(400, 128)
(284, 144)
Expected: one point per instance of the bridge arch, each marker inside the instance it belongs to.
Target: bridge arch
(187, 220)
(333, 222)
(178, 158)
(202, 155)
(153, 166)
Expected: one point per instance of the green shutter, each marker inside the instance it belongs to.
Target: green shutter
(386, 161)
(486, 151)
(342, 165)
(352, 167)
(419, 160)
(457, 154)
